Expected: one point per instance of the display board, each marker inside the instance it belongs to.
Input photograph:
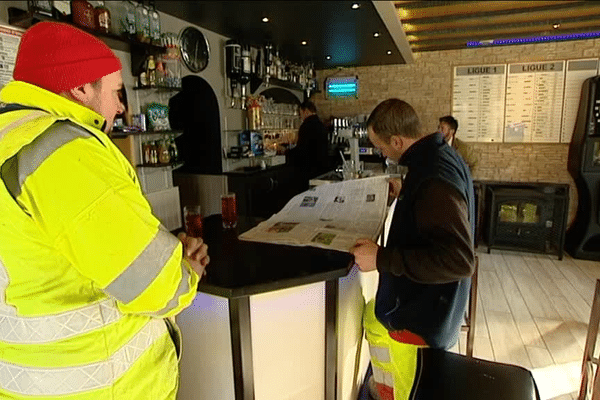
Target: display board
(577, 72)
(10, 38)
(534, 100)
(478, 102)
(523, 102)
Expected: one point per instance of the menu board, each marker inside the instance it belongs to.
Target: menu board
(478, 102)
(9, 44)
(534, 100)
(577, 72)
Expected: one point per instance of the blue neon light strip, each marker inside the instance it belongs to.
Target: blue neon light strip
(536, 39)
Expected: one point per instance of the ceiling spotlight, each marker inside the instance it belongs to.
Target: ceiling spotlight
(304, 43)
(265, 19)
(355, 6)
(556, 25)
(389, 52)
(328, 57)
(376, 34)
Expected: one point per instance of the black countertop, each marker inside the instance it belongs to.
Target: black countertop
(239, 268)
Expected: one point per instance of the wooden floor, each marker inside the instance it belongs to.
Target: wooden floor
(533, 310)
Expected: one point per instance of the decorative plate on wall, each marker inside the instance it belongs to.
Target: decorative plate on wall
(194, 49)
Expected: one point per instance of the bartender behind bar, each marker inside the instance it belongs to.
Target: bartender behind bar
(309, 157)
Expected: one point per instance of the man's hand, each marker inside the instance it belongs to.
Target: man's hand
(195, 251)
(365, 254)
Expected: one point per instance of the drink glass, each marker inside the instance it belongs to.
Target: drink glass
(193, 220)
(229, 210)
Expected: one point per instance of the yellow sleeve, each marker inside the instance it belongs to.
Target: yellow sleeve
(81, 196)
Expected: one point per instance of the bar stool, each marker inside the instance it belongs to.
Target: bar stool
(590, 381)
(471, 312)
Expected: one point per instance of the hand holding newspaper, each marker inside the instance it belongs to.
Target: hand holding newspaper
(330, 216)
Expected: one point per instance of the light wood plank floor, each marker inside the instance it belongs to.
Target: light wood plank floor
(533, 310)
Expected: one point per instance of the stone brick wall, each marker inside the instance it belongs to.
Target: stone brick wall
(427, 86)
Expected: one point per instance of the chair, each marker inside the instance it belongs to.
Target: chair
(469, 323)
(590, 380)
(444, 375)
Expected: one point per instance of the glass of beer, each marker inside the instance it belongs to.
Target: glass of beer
(193, 220)
(229, 210)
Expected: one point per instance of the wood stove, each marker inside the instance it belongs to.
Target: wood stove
(526, 216)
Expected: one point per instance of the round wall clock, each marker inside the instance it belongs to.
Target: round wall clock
(194, 49)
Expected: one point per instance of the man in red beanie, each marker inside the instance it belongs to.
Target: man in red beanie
(89, 278)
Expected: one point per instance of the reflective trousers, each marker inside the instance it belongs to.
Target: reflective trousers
(394, 363)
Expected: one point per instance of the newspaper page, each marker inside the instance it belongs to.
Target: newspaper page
(330, 216)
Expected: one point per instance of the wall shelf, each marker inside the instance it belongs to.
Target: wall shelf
(139, 50)
(171, 166)
(147, 133)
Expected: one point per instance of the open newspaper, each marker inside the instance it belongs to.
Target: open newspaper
(331, 216)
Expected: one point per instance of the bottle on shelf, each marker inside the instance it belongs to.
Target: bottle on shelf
(154, 24)
(128, 19)
(61, 10)
(173, 149)
(83, 13)
(164, 156)
(40, 7)
(151, 72)
(142, 23)
(102, 18)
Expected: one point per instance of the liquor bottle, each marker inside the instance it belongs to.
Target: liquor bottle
(151, 72)
(142, 23)
(40, 7)
(173, 149)
(102, 17)
(61, 10)
(128, 20)
(154, 22)
(164, 156)
(83, 13)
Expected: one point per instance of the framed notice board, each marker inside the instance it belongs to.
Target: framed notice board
(534, 102)
(10, 37)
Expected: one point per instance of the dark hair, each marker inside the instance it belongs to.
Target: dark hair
(451, 121)
(394, 117)
(308, 105)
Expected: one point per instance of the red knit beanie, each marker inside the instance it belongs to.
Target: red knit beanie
(58, 57)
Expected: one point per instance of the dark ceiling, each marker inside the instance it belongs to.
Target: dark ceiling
(331, 28)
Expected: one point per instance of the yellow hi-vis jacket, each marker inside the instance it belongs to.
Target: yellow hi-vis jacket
(88, 276)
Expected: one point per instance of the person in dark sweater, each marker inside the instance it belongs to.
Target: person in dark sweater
(309, 157)
(428, 259)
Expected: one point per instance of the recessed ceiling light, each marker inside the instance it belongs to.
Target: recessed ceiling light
(265, 19)
(355, 6)
(376, 34)
(556, 25)
(304, 43)
(389, 52)
(328, 57)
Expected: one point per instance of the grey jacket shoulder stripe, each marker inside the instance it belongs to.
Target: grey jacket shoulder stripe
(144, 269)
(184, 287)
(16, 170)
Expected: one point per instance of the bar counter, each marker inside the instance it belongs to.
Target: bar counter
(240, 268)
(274, 322)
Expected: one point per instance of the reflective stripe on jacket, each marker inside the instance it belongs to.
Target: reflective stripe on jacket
(87, 273)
